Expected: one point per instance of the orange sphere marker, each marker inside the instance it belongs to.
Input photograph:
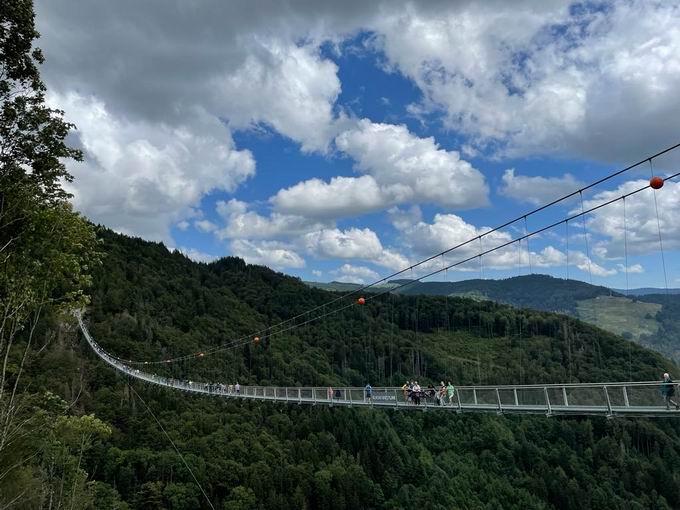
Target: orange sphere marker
(656, 182)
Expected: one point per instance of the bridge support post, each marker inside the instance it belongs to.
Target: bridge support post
(498, 399)
(514, 391)
(625, 396)
(609, 403)
(547, 400)
(564, 394)
(474, 395)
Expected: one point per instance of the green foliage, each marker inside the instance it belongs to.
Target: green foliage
(149, 303)
(46, 255)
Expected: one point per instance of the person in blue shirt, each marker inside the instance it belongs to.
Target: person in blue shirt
(369, 393)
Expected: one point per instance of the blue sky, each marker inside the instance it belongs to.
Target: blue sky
(343, 144)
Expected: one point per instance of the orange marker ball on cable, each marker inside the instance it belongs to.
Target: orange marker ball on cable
(656, 182)
(361, 301)
(256, 340)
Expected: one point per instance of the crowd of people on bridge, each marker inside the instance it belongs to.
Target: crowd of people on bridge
(442, 395)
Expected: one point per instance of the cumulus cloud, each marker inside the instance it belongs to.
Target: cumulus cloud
(242, 223)
(520, 78)
(400, 168)
(267, 253)
(205, 225)
(402, 218)
(537, 190)
(341, 197)
(531, 78)
(289, 87)
(156, 117)
(139, 178)
(642, 230)
(355, 274)
(413, 168)
(449, 230)
(635, 268)
(353, 243)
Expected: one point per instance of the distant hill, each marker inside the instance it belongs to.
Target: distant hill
(540, 292)
(646, 291)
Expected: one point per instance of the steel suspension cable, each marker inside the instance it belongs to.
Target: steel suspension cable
(160, 425)
(658, 224)
(625, 262)
(247, 338)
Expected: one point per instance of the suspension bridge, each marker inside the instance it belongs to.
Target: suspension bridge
(640, 399)
(610, 399)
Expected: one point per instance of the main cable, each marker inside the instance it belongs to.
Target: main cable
(241, 341)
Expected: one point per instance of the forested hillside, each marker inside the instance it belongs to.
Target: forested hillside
(148, 302)
(637, 315)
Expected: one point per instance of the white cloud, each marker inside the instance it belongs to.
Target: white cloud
(139, 178)
(450, 230)
(635, 268)
(205, 225)
(341, 197)
(392, 259)
(353, 243)
(587, 265)
(355, 274)
(267, 253)
(231, 207)
(397, 159)
(400, 167)
(183, 225)
(286, 86)
(642, 230)
(404, 218)
(548, 77)
(241, 223)
(537, 190)
(317, 273)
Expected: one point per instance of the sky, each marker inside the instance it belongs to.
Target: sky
(347, 140)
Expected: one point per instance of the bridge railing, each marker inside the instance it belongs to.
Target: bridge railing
(610, 398)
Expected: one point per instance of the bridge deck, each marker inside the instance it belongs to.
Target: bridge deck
(630, 399)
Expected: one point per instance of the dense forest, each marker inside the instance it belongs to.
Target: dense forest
(75, 434)
(573, 297)
(148, 302)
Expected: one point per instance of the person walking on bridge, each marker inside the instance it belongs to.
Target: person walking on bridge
(450, 392)
(237, 388)
(369, 393)
(668, 390)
